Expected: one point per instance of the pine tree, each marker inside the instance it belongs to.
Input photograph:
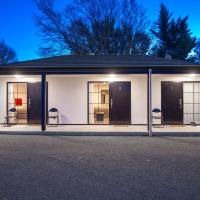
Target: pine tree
(195, 57)
(173, 36)
(162, 32)
(197, 52)
(185, 42)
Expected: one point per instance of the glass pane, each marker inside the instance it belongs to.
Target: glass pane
(188, 97)
(104, 93)
(93, 87)
(188, 108)
(188, 118)
(104, 108)
(188, 87)
(22, 88)
(15, 88)
(196, 108)
(91, 119)
(99, 102)
(93, 98)
(93, 108)
(196, 97)
(196, 87)
(22, 111)
(101, 119)
(104, 96)
(106, 120)
(10, 88)
(23, 97)
(22, 121)
(17, 98)
(196, 118)
(103, 86)
(10, 105)
(11, 98)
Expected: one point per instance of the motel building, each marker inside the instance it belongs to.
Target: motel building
(127, 94)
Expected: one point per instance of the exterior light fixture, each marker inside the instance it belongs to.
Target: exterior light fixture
(112, 78)
(112, 75)
(192, 75)
(17, 76)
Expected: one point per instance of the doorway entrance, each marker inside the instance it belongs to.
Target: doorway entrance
(172, 102)
(120, 103)
(109, 103)
(26, 98)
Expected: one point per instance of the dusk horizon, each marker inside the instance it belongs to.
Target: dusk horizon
(26, 41)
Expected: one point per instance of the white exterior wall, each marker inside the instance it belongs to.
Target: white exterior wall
(69, 94)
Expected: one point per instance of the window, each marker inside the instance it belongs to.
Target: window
(17, 98)
(191, 91)
(98, 97)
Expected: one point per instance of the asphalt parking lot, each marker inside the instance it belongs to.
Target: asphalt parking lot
(99, 168)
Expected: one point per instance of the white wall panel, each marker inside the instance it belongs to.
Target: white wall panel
(69, 95)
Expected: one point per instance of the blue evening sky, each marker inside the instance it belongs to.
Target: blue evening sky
(17, 27)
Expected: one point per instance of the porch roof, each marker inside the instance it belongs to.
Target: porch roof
(99, 64)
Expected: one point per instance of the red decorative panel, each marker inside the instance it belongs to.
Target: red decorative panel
(18, 102)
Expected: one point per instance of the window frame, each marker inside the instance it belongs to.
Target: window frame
(88, 102)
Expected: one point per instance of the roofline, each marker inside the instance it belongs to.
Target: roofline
(95, 66)
(81, 56)
(160, 69)
(33, 62)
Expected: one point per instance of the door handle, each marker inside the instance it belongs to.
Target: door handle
(111, 103)
(29, 103)
(180, 103)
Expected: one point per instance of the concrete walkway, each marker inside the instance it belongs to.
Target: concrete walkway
(100, 129)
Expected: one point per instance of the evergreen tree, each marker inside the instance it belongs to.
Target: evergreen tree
(173, 36)
(195, 57)
(162, 32)
(184, 42)
(197, 52)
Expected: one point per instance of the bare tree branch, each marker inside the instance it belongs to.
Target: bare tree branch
(7, 54)
(92, 27)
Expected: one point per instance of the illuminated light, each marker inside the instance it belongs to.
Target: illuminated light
(192, 75)
(17, 76)
(112, 78)
(24, 78)
(112, 75)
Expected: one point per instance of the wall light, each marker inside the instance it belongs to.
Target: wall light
(17, 76)
(192, 75)
(112, 78)
(112, 75)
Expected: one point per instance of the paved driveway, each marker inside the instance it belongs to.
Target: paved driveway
(99, 168)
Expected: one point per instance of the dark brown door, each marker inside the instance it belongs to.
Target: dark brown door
(34, 103)
(120, 103)
(172, 102)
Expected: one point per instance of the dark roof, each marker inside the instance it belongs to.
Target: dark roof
(101, 61)
(76, 64)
